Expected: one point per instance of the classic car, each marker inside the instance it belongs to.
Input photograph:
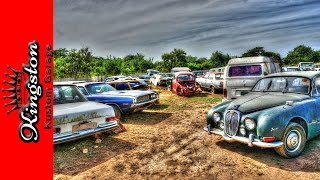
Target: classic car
(123, 102)
(161, 79)
(306, 66)
(212, 81)
(76, 117)
(129, 84)
(280, 112)
(183, 83)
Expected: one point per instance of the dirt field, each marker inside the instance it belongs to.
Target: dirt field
(167, 142)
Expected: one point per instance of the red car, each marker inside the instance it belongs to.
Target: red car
(184, 83)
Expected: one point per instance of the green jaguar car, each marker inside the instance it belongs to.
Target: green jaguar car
(282, 111)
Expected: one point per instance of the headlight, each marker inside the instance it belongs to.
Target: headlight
(250, 124)
(216, 117)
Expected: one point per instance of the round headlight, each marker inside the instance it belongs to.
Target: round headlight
(242, 130)
(250, 124)
(216, 117)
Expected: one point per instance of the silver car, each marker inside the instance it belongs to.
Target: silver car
(76, 117)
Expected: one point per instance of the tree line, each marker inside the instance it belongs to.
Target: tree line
(82, 63)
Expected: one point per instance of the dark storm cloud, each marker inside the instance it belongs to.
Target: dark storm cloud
(120, 27)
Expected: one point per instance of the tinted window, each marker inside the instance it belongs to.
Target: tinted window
(250, 70)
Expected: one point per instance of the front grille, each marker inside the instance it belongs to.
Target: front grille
(143, 98)
(231, 122)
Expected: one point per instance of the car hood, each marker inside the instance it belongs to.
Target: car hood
(72, 112)
(255, 101)
(133, 93)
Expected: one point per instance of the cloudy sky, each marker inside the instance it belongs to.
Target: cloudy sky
(152, 27)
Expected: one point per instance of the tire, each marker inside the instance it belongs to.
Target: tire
(117, 111)
(297, 134)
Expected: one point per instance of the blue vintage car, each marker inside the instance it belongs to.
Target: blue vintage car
(282, 111)
(123, 102)
(76, 117)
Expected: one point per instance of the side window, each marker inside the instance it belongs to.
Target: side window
(272, 68)
(83, 91)
(316, 87)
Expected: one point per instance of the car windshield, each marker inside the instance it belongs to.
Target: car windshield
(99, 88)
(249, 70)
(185, 77)
(283, 84)
(67, 94)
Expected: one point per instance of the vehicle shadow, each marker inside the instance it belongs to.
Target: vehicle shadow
(145, 117)
(78, 156)
(308, 161)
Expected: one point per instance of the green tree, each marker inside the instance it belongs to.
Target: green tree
(218, 59)
(301, 53)
(259, 51)
(176, 58)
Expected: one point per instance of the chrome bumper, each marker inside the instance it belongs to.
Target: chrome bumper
(251, 141)
(70, 136)
(144, 105)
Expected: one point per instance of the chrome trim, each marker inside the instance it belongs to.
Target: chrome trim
(69, 136)
(251, 141)
(231, 125)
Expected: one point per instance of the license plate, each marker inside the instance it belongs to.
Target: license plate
(79, 127)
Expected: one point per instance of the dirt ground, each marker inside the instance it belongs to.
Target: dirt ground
(168, 142)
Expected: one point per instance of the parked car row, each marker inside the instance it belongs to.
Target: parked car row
(86, 108)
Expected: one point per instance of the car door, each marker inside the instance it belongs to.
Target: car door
(316, 96)
(204, 82)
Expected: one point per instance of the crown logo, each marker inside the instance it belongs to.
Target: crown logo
(14, 97)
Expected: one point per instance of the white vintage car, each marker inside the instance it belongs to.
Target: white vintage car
(161, 79)
(76, 117)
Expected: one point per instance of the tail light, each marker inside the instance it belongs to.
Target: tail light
(56, 130)
(225, 92)
(268, 139)
(112, 118)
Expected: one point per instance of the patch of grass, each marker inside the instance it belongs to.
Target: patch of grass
(119, 167)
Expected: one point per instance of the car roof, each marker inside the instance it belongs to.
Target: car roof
(307, 74)
(250, 60)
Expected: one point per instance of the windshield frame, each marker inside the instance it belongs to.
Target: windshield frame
(286, 87)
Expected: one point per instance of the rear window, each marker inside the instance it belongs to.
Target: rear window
(249, 70)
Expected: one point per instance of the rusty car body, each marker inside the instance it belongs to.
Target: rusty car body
(184, 84)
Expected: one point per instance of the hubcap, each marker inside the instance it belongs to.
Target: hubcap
(293, 140)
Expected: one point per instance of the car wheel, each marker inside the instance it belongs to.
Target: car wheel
(117, 111)
(294, 140)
